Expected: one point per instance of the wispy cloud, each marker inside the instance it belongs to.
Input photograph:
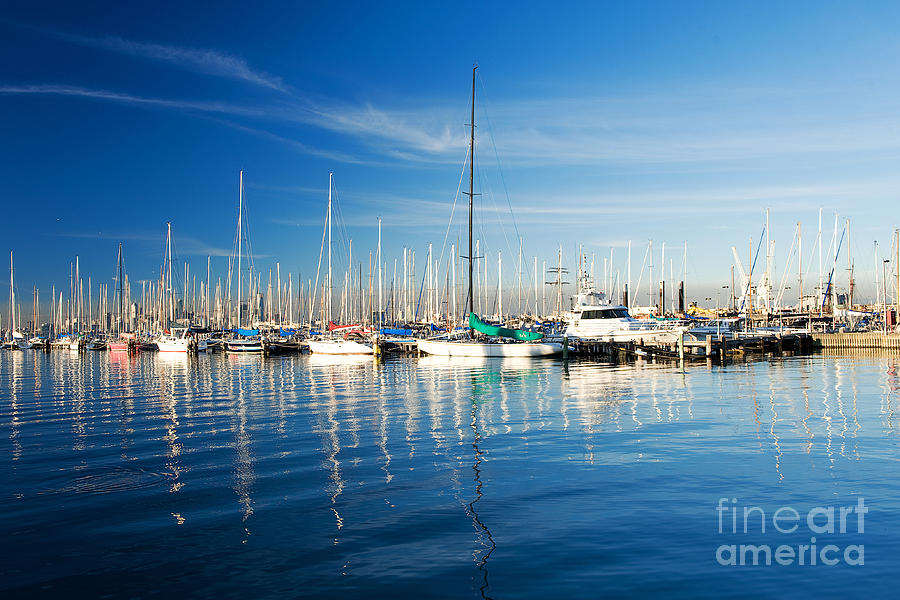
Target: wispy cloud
(199, 60)
(209, 107)
(409, 131)
(122, 98)
(190, 246)
(296, 145)
(674, 129)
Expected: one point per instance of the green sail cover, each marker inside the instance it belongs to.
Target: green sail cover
(479, 325)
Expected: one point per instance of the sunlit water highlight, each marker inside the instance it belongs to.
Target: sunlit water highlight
(241, 476)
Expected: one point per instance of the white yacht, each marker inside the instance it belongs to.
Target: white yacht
(17, 341)
(493, 349)
(339, 346)
(242, 345)
(176, 341)
(593, 317)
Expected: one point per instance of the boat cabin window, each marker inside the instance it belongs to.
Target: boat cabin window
(609, 313)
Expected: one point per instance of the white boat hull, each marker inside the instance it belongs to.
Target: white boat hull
(173, 345)
(483, 349)
(17, 345)
(177, 341)
(339, 347)
(243, 347)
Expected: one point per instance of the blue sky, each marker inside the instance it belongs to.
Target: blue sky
(598, 123)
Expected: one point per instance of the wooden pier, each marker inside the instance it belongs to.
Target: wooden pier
(709, 347)
(855, 341)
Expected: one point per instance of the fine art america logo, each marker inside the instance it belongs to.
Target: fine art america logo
(817, 528)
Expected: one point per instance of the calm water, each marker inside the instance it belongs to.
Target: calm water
(217, 477)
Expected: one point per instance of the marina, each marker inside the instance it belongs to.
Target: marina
(493, 301)
(443, 430)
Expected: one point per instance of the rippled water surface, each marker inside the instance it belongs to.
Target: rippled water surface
(239, 476)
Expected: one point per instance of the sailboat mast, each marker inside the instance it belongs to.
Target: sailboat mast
(119, 285)
(800, 269)
(240, 251)
(469, 301)
(328, 287)
(12, 299)
(380, 261)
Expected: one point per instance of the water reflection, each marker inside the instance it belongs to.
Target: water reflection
(482, 554)
(365, 451)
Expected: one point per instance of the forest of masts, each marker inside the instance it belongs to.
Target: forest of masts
(391, 291)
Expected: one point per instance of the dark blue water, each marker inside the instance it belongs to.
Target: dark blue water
(244, 477)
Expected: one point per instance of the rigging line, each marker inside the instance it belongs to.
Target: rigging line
(837, 253)
(421, 290)
(455, 200)
(753, 267)
(486, 184)
(487, 117)
(758, 246)
(496, 154)
(641, 276)
(343, 234)
(315, 292)
(812, 255)
(788, 268)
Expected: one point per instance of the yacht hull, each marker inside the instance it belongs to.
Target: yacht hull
(244, 347)
(482, 349)
(173, 346)
(339, 347)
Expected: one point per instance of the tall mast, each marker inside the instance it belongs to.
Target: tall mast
(206, 299)
(800, 269)
(500, 287)
(628, 287)
(470, 305)
(849, 269)
(768, 265)
(328, 305)
(171, 287)
(897, 268)
(380, 260)
(683, 277)
(119, 291)
(350, 305)
(12, 298)
(240, 250)
(820, 297)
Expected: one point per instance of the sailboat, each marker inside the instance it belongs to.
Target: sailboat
(178, 339)
(120, 344)
(16, 339)
(246, 341)
(335, 345)
(498, 341)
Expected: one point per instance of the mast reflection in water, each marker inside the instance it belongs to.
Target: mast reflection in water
(226, 476)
